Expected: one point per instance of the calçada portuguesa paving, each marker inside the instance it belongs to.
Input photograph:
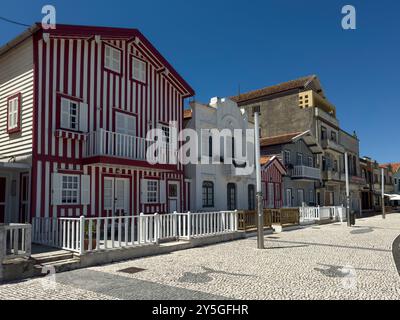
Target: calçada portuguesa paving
(317, 262)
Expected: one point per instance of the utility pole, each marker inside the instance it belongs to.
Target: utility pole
(383, 194)
(346, 165)
(260, 211)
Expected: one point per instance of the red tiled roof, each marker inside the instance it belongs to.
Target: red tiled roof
(282, 87)
(395, 166)
(265, 159)
(282, 139)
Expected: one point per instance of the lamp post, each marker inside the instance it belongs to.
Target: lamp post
(346, 165)
(260, 212)
(383, 194)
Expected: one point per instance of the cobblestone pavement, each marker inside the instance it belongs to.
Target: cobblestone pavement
(317, 262)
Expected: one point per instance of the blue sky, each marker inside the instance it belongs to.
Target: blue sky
(217, 45)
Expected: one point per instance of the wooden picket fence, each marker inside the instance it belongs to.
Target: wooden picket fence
(248, 220)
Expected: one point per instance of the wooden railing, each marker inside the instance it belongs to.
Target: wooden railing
(15, 241)
(248, 220)
(83, 234)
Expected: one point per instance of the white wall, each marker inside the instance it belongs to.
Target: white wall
(16, 75)
(223, 114)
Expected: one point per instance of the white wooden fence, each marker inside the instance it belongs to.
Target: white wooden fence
(312, 214)
(15, 241)
(83, 234)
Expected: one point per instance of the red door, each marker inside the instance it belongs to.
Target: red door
(2, 199)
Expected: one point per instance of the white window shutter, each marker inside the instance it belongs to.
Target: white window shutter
(163, 192)
(85, 190)
(83, 117)
(65, 105)
(143, 191)
(56, 189)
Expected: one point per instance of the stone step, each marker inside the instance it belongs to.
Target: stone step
(61, 265)
(53, 257)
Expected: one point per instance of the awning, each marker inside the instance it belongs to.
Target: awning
(14, 165)
(393, 197)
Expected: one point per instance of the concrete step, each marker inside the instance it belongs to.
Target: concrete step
(53, 257)
(61, 265)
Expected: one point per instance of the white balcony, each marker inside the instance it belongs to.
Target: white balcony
(304, 172)
(111, 144)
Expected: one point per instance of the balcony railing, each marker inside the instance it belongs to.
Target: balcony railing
(326, 116)
(358, 180)
(112, 144)
(331, 175)
(299, 172)
(331, 144)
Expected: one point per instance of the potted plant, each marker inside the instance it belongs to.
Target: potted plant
(93, 230)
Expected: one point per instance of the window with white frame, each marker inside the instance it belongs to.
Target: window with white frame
(13, 113)
(70, 189)
(287, 157)
(139, 70)
(69, 114)
(112, 59)
(152, 191)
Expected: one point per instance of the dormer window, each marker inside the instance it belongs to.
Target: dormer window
(112, 59)
(139, 68)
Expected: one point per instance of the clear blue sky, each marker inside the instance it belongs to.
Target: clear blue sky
(217, 44)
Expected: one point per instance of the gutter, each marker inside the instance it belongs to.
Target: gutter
(19, 39)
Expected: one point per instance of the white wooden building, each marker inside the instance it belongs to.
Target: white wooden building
(220, 186)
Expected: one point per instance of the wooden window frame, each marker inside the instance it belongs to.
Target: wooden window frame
(17, 128)
(110, 69)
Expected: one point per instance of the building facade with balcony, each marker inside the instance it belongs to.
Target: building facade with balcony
(351, 145)
(367, 190)
(217, 185)
(298, 153)
(76, 104)
(298, 106)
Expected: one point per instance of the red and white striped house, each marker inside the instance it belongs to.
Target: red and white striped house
(75, 107)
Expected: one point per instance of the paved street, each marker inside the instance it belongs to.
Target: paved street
(318, 262)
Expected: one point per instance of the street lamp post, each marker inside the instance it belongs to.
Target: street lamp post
(260, 212)
(383, 194)
(346, 165)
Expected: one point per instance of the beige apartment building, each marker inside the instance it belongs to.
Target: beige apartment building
(301, 105)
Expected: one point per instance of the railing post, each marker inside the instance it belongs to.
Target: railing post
(189, 226)
(157, 228)
(140, 229)
(176, 225)
(28, 240)
(236, 219)
(3, 245)
(82, 235)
